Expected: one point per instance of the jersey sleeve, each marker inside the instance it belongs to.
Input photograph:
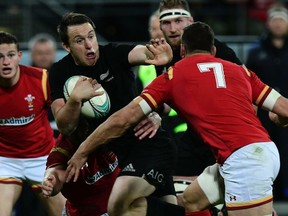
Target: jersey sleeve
(118, 53)
(60, 153)
(260, 90)
(56, 81)
(158, 91)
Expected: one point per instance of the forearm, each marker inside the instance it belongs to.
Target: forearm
(114, 127)
(105, 133)
(158, 52)
(139, 55)
(67, 118)
(279, 113)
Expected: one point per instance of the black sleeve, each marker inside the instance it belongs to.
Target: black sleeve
(225, 52)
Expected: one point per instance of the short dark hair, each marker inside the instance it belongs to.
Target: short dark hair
(171, 4)
(70, 19)
(7, 38)
(198, 36)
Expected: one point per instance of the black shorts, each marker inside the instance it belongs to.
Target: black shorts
(152, 159)
(193, 155)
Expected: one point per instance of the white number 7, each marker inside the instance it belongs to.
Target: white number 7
(217, 68)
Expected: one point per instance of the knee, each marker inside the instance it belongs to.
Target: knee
(115, 207)
(118, 207)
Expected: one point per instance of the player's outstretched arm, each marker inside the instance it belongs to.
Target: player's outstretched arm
(158, 52)
(114, 127)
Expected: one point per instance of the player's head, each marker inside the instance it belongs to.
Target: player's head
(77, 32)
(198, 38)
(10, 57)
(42, 49)
(8, 39)
(174, 17)
(154, 26)
(72, 19)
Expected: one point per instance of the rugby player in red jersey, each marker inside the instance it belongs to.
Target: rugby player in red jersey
(216, 98)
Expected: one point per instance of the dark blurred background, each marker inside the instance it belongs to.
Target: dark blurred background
(239, 23)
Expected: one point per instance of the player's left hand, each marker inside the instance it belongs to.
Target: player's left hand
(48, 186)
(161, 52)
(148, 126)
(74, 165)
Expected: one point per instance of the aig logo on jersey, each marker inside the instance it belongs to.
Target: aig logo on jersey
(155, 175)
(29, 98)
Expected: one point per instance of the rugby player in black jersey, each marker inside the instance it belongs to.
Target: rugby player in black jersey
(144, 185)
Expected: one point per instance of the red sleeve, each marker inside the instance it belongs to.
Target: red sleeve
(61, 152)
(260, 90)
(158, 91)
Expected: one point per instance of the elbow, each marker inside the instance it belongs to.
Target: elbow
(66, 130)
(121, 122)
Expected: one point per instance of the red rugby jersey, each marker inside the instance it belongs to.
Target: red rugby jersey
(89, 195)
(215, 97)
(25, 131)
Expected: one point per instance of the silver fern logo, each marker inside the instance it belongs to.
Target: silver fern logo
(104, 75)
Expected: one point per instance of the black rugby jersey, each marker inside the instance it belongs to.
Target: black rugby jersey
(112, 70)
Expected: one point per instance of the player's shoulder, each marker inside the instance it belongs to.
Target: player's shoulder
(65, 61)
(32, 71)
(65, 64)
(223, 51)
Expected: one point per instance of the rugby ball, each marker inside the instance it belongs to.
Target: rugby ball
(96, 107)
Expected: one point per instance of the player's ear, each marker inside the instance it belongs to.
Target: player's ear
(213, 51)
(191, 20)
(182, 51)
(19, 54)
(66, 47)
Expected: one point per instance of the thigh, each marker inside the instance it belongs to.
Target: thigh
(130, 187)
(248, 176)
(194, 198)
(9, 195)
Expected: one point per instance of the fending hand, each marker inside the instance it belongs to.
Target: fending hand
(161, 50)
(74, 166)
(148, 126)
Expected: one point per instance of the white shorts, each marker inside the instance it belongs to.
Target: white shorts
(248, 175)
(28, 169)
